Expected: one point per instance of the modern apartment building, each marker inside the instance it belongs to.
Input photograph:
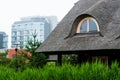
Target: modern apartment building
(22, 30)
(3, 40)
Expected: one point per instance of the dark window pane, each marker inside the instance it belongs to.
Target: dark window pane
(83, 27)
(92, 26)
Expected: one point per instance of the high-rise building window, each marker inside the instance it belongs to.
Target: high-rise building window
(19, 25)
(21, 37)
(4, 44)
(26, 38)
(26, 32)
(18, 38)
(4, 39)
(19, 33)
(14, 38)
(14, 33)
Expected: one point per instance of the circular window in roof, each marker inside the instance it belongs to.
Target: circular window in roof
(87, 25)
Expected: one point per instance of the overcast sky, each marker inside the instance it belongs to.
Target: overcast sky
(13, 10)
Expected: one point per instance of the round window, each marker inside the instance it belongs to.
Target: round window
(87, 25)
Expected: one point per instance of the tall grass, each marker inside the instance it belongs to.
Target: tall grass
(86, 71)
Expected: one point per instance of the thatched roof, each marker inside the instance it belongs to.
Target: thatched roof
(107, 14)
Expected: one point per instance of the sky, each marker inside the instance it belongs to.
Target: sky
(13, 10)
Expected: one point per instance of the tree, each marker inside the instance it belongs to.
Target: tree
(32, 44)
(37, 59)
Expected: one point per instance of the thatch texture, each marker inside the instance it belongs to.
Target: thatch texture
(107, 14)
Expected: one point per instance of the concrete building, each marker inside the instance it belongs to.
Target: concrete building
(22, 30)
(3, 40)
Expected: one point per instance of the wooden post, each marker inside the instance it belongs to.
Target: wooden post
(59, 59)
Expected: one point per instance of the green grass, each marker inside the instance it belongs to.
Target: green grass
(86, 71)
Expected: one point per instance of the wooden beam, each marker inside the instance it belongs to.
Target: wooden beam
(59, 59)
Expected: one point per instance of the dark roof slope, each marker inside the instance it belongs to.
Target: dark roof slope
(107, 14)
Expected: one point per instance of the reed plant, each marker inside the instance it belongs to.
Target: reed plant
(85, 71)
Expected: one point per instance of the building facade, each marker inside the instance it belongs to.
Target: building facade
(3, 40)
(23, 30)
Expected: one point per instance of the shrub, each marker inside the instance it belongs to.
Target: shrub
(4, 61)
(3, 58)
(38, 60)
(18, 63)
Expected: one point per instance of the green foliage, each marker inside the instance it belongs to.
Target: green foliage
(51, 64)
(32, 44)
(69, 59)
(3, 58)
(37, 59)
(4, 61)
(86, 71)
(3, 54)
(18, 63)
(21, 45)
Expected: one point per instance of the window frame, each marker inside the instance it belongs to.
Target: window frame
(101, 59)
(88, 25)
